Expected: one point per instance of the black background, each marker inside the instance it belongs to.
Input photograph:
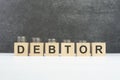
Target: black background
(91, 20)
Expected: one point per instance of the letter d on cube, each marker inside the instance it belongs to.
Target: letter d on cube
(21, 49)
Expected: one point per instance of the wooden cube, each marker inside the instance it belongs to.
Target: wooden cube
(21, 48)
(98, 49)
(36, 49)
(51, 49)
(67, 49)
(83, 49)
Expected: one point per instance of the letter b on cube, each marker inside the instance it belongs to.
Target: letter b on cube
(51, 49)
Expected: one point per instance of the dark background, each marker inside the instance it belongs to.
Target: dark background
(91, 20)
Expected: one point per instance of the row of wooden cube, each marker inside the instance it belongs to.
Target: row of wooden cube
(56, 49)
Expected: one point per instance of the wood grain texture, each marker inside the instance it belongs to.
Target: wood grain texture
(101, 46)
(51, 51)
(68, 51)
(38, 51)
(25, 46)
(85, 49)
